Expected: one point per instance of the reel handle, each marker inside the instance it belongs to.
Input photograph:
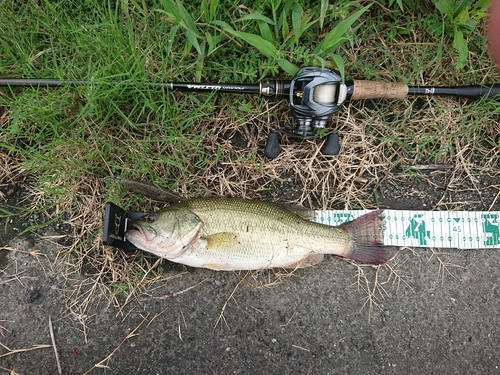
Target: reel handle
(272, 149)
(332, 145)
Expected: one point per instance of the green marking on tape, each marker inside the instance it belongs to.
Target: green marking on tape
(342, 218)
(491, 229)
(416, 229)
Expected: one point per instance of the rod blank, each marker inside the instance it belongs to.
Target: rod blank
(267, 88)
(471, 92)
(37, 82)
(359, 89)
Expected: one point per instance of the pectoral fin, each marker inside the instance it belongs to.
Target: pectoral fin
(213, 246)
(221, 240)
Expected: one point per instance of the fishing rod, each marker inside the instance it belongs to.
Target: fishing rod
(314, 94)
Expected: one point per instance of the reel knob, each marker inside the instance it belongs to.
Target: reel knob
(272, 149)
(332, 145)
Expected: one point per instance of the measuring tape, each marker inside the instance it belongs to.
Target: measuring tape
(440, 229)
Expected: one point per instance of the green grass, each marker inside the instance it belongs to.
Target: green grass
(102, 129)
(117, 129)
(67, 140)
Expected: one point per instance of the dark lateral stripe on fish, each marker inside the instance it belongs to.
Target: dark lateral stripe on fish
(367, 232)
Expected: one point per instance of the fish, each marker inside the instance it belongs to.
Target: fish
(231, 234)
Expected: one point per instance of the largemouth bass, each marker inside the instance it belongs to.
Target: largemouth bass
(235, 234)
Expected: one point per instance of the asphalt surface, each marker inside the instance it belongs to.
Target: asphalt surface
(313, 322)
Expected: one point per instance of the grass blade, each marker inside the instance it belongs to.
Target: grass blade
(297, 13)
(288, 67)
(337, 36)
(257, 16)
(263, 22)
(265, 47)
(192, 37)
(322, 12)
(213, 8)
(339, 62)
(171, 10)
(186, 17)
(460, 45)
(208, 13)
(205, 15)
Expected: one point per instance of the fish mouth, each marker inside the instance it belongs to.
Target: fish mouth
(136, 231)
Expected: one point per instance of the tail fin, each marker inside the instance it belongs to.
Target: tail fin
(367, 233)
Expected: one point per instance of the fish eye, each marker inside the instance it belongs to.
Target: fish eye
(152, 218)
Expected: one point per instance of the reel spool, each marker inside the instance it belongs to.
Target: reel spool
(314, 94)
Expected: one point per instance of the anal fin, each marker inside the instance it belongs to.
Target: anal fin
(310, 260)
(219, 266)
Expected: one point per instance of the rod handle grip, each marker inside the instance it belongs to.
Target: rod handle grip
(379, 90)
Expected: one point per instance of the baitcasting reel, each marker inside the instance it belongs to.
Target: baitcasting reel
(314, 94)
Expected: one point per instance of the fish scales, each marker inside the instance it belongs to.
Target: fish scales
(238, 234)
(266, 234)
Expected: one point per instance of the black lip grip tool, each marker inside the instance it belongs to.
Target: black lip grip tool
(116, 222)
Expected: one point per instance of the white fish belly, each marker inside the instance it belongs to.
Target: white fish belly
(237, 252)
